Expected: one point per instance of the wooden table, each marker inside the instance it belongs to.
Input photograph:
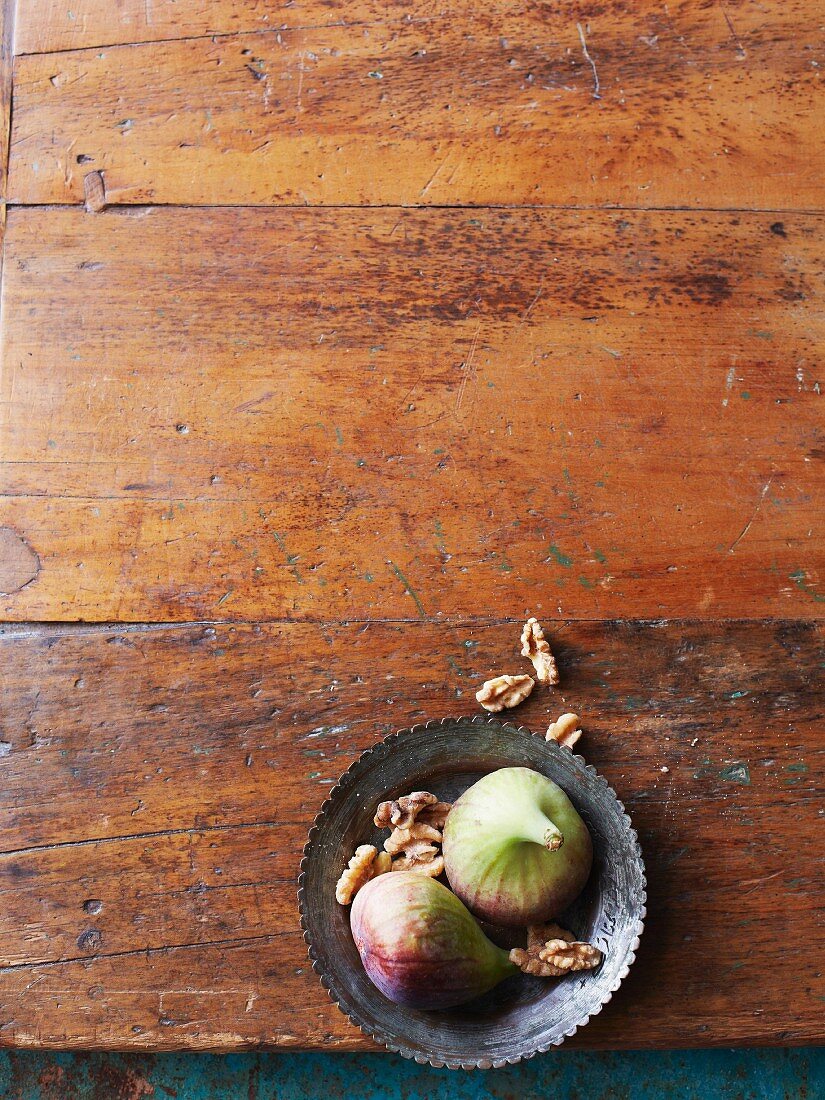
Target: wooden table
(336, 339)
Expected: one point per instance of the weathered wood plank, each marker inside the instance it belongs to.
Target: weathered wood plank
(635, 105)
(313, 414)
(7, 19)
(52, 25)
(157, 785)
(149, 892)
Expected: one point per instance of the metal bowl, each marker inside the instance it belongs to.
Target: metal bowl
(524, 1015)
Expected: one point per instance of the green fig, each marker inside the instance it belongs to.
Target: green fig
(419, 944)
(515, 850)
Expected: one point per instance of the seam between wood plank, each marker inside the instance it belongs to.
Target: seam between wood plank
(33, 628)
(607, 208)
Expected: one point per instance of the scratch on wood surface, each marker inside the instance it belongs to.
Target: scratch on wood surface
(433, 177)
(411, 592)
(762, 878)
(267, 92)
(15, 365)
(406, 400)
(299, 105)
(536, 297)
(754, 514)
(590, 61)
(30, 985)
(452, 174)
(246, 406)
(467, 368)
(68, 174)
(741, 52)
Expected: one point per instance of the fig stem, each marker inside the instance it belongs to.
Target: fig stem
(553, 838)
(540, 829)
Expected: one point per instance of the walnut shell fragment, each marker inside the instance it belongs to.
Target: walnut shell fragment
(564, 730)
(552, 952)
(366, 864)
(535, 646)
(503, 692)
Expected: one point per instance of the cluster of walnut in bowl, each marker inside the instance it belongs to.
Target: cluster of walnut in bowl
(416, 822)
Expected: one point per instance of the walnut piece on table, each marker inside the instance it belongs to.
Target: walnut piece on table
(564, 730)
(366, 864)
(504, 691)
(552, 952)
(535, 646)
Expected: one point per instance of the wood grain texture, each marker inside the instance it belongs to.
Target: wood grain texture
(7, 19)
(700, 105)
(157, 785)
(51, 25)
(267, 414)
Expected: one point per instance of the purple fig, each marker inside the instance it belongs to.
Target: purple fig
(515, 850)
(420, 946)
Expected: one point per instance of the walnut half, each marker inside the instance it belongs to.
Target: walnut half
(564, 730)
(552, 952)
(535, 646)
(366, 864)
(416, 849)
(562, 957)
(504, 691)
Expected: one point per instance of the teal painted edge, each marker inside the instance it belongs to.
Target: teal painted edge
(761, 1074)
